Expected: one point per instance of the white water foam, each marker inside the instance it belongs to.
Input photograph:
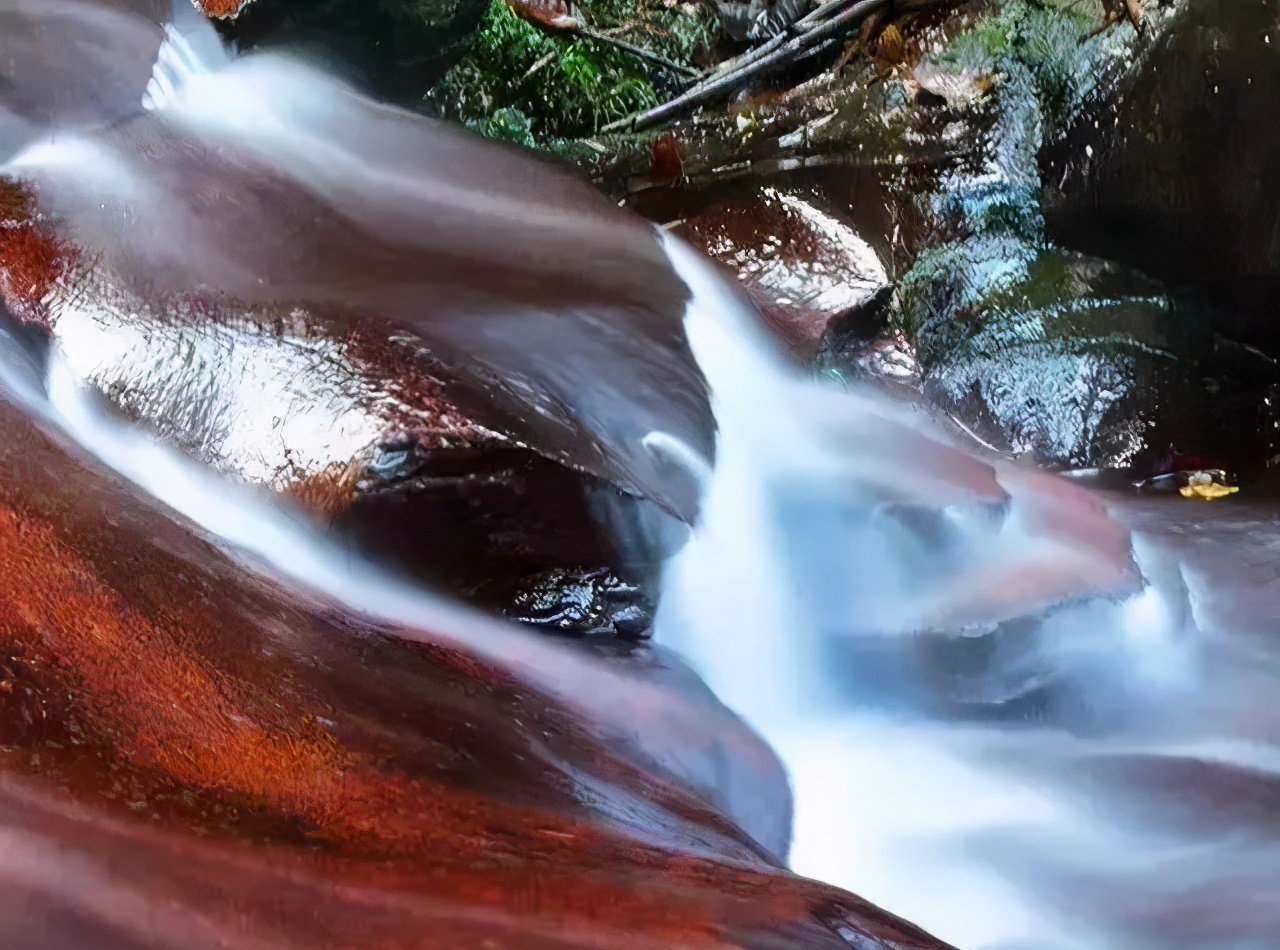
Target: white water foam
(976, 830)
(191, 48)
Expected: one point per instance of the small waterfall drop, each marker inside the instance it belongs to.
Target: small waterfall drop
(190, 48)
(849, 556)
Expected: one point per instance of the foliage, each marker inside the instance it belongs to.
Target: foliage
(1051, 40)
(678, 30)
(526, 85)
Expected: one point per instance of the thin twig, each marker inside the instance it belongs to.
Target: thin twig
(587, 33)
(814, 31)
(539, 64)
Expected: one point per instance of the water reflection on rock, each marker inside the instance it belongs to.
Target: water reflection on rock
(802, 266)
(350, 425)
(190, 707)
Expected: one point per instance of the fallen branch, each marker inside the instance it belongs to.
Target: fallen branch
(814, 29)
(638, 51)
(810, 19)
(556, 16)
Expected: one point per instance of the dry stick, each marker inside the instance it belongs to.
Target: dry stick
(805, 22)
(739, 63)
(754, 66)
(587, 33)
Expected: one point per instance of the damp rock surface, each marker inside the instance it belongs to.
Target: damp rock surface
(168, 707)
(1172, 167)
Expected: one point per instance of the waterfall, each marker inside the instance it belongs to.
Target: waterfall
(976, 674)
(190, 48)
(850, 556)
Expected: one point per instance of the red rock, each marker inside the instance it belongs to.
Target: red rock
(666, 166)
(193, 755)
(221, 8)
(802, 266)
(32, 257)
(552, 14)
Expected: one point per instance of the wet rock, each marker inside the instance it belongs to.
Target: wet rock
(527, 537)
(481, 305)
(582, 602)
(32, 257)
(221, 8)
(395, 48)
(268, 397)
(345, 420)
(482, 253)
(1172, 166)
(351, 428)
(865, 345)
(803, 265)
(226, 752)
(1069, 358)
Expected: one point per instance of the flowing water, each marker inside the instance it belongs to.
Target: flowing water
(1005, 717)
(1111, 783)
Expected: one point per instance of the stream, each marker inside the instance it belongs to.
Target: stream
(1021, 711)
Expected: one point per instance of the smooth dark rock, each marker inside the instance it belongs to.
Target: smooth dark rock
(525, 535)
(582, 602)
(394, 48)
(1175, 168)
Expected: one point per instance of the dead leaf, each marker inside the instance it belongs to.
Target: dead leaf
(550, 14)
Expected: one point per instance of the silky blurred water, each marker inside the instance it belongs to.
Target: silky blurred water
(1112, 782)
(1103, 773)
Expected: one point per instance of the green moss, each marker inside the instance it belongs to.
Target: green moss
(1051, 39)
(526, 85)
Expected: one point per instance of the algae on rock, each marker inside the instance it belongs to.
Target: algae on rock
(1040, 350)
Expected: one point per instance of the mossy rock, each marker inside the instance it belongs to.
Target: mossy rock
(1068, 358)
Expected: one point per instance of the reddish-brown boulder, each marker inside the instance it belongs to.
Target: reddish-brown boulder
(190, 753)
(221, 8)
(803, 266)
